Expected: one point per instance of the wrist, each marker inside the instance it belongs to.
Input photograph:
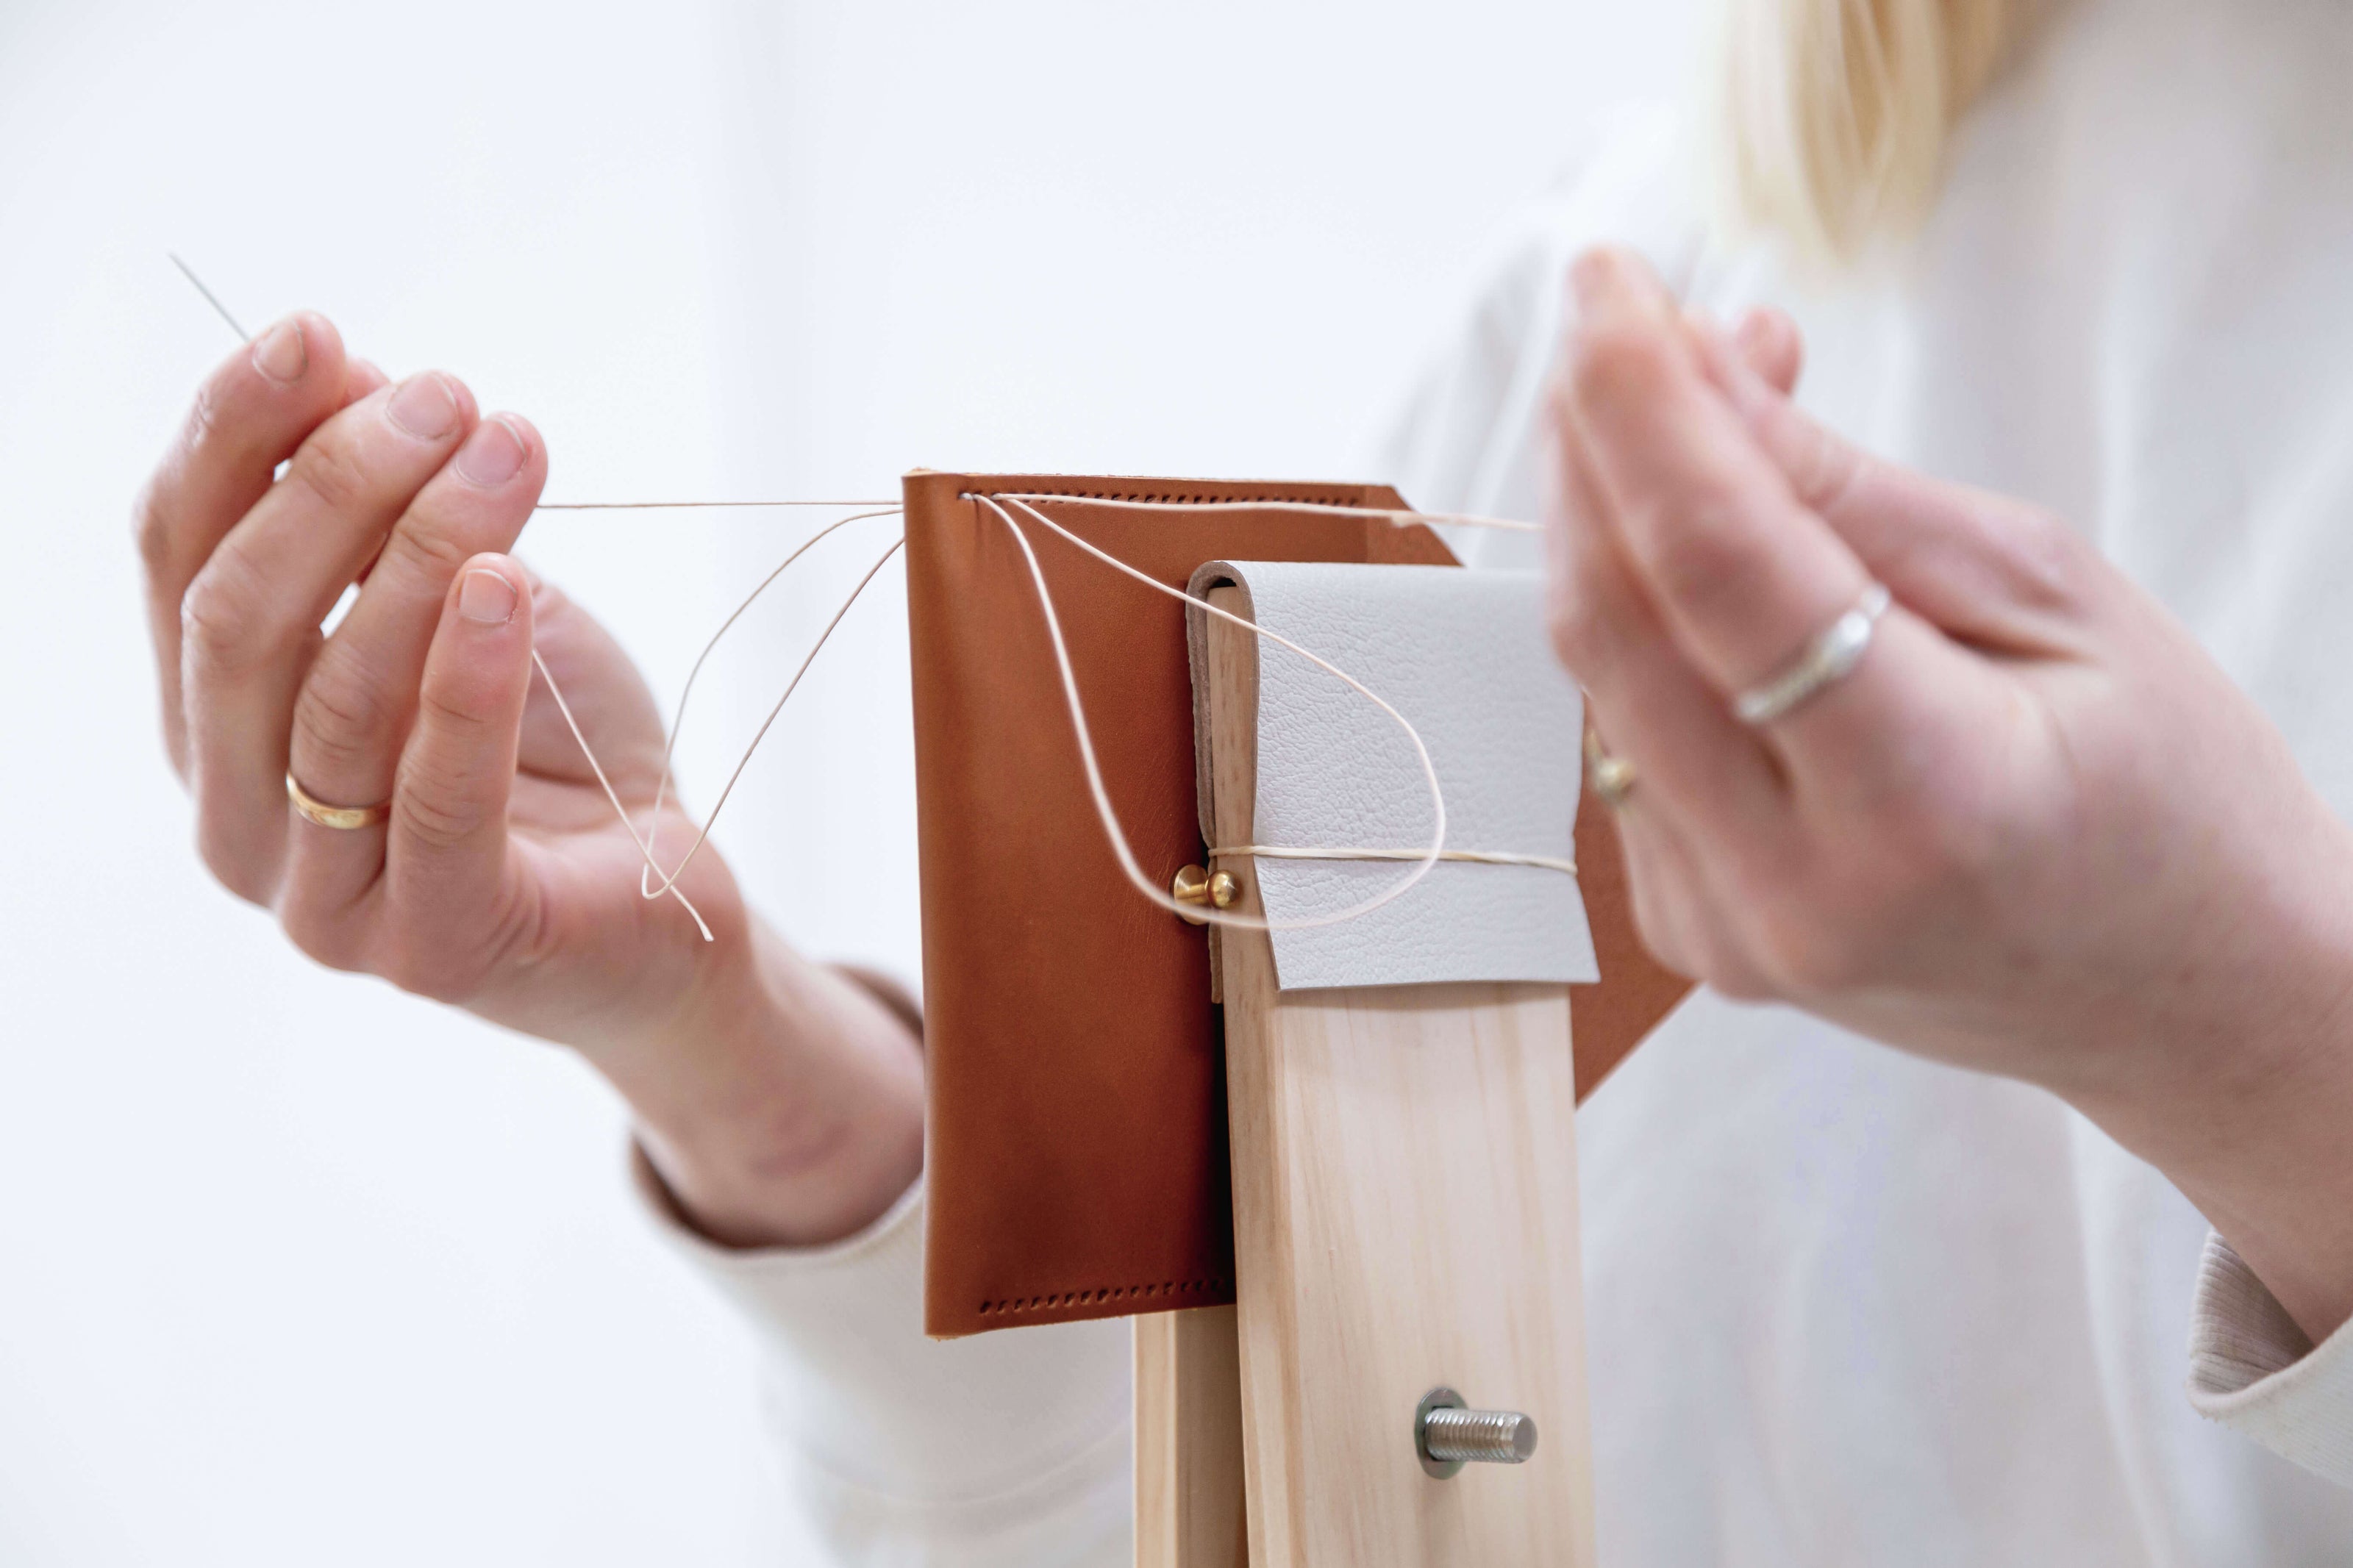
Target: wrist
(783, 1104)
(2248, 1109)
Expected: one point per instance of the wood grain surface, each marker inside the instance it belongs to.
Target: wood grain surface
(1189, 1441)
(1405, 1210)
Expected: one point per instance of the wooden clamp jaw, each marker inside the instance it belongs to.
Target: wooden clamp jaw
(1405, 1209)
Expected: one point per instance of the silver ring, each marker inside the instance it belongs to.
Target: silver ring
(1835, 650)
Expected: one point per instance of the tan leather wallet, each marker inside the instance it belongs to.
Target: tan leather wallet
(1075, 1112)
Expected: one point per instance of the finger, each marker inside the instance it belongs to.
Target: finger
(362, 377)
(248, 417)
(454, 897)
(1766, 340)
(250, 618)
(1678, 912)
(1742, 575)
(361, 693)
(1771, 345)
(1699, 760)
(1985, 568)
(1700, 775)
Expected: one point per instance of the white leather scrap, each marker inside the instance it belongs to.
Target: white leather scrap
(1463, 656)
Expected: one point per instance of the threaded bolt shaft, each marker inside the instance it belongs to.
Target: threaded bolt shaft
(1478, 1436)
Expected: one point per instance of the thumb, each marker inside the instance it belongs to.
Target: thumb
(1985, 568)
(448, 879)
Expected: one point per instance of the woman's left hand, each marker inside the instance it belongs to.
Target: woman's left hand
(2034, 831)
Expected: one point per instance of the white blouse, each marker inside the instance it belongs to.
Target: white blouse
(1846, 1306)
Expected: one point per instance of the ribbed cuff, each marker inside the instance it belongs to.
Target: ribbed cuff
(2252, 1369)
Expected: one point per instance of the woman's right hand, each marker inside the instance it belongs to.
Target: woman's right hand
(2035, 831)
(780, 1102)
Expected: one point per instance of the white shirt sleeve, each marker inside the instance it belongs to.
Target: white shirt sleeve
(1005, 1450)
(2252, 1369)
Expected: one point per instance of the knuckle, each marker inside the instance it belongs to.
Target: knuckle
(452, 707)
(334, 472)
(225, 624)
(426, 549)
(345, 715)
(2048, 561)
(151, 532)
(204, 420)
(435, 812)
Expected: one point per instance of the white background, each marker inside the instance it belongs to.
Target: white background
(294, 1269)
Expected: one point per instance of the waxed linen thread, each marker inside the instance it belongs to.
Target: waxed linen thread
(1424, 859)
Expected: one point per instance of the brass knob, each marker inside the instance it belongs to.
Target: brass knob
(1195, 886)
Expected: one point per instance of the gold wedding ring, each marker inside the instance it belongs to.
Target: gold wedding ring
(1612, 777)
(342, 818)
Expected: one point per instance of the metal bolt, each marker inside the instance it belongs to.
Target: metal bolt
(1447, 1435)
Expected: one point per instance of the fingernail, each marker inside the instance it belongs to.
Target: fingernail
(423, 407)
(485, 597)
(491, 456)
(280, 354)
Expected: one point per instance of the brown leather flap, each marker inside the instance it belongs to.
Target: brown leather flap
(1075, 1111)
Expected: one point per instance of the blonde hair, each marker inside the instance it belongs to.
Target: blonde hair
(1836, 112)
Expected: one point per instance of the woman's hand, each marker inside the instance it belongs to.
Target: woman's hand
(780, 1102)
(2035, 831)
